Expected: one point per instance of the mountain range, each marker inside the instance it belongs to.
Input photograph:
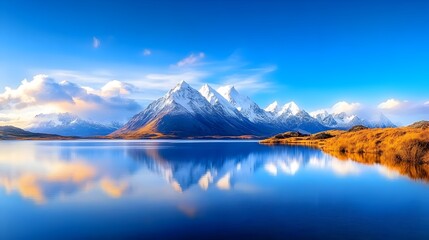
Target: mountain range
(185, 112)
(67, 124)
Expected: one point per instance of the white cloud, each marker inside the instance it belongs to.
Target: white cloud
(150, 84)
(96, 77)
(45, 95)
(345, 167)
(153, 82)
(388, 172)
(96, 42)
(343, 106)
(191, 59)
(116, 88)
(401, 112)
(147, 52)
(249, 80)
(41, 89)
(404, 107)
(354, 108)
(390, 104)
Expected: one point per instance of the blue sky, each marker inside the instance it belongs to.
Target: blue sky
(315, 53)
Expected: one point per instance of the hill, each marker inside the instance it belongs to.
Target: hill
(14, 133)
(404, 144)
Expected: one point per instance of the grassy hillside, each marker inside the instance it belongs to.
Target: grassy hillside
(14, 133)
(406, 144)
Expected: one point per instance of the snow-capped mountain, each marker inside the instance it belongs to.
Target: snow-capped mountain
(187, 166)
(345, 121)
(379, 121)
(244, 104)
(218, 101)
(324, 118)
(184, 112)
(67, 124)
(273, 108)
(290, 116)
(289, 109)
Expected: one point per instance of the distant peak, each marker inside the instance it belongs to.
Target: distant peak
(208, 92)
(207, 88)
(292, 104)
(181, 85)
(228, 90)
(291, 107)
(273, 107)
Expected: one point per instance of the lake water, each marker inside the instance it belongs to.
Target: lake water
(201, 189)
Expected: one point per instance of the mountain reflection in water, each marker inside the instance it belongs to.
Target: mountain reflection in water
(189, 189)
(46, 171)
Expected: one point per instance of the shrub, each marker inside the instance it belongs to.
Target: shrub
(413, 150)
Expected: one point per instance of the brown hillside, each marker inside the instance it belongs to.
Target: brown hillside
(406, 144)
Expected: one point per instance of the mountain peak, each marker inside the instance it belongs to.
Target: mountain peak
(181, 85)
(290, 107)
(273, 107)
(211, 95)
(321, 113)
(243, 104)
(186, 96)
(207, 88)
(215, 98)
(228, 91)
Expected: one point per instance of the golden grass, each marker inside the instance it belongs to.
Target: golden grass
(404, 149)
(400, 144)
(305, 140)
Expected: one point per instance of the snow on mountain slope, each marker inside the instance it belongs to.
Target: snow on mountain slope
(344, 120)
(187, 113)
(273, 108)
(215, 99)
(67, 124)
(290, 109)
(188, 98)
(184, 112)
(324, 118)
(244, 104)
(379, 120)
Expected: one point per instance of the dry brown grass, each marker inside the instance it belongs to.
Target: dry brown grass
(405, 149)
(401, 144)
(414, 170)
(314, 140)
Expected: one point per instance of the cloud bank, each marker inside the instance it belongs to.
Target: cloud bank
(402, 107)
(46, 95)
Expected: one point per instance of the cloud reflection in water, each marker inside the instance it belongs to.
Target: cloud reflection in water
(47, 170)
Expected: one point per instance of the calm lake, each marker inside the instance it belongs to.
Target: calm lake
(201, 189)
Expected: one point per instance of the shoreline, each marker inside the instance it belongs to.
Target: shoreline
(404, 149)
